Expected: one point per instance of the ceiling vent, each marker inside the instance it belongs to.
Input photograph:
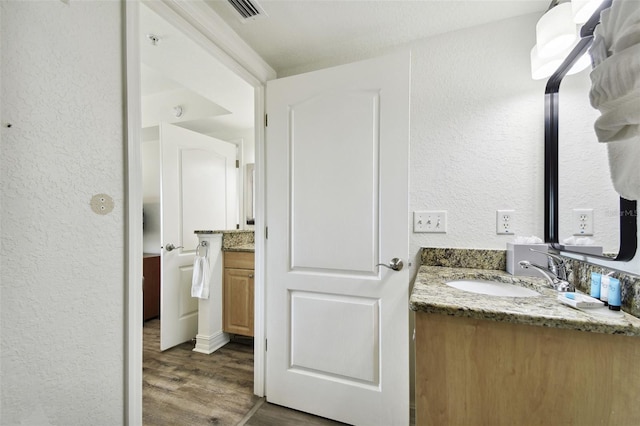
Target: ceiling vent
(248, 10)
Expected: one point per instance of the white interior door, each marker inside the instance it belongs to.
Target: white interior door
(337, 205)
(198, 192)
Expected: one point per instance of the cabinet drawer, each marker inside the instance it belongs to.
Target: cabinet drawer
(238, 260)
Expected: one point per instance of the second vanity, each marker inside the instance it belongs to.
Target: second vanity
(238, 249)
(484, 359)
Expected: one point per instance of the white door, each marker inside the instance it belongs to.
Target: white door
(198, 192)
(337, 154)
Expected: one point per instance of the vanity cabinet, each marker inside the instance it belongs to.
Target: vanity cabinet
(473, 371)
(238, 293)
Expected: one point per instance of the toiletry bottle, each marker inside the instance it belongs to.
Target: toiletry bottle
(595, 285)
(604, 289)
(614, 294)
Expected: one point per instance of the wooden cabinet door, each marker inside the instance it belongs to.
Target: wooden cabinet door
(238, 301)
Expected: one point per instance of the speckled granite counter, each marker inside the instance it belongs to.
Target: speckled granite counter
(235, 240)
(431, 294)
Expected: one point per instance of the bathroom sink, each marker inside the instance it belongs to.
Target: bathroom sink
(492, 288)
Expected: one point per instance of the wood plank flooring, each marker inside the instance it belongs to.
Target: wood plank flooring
(182, 387)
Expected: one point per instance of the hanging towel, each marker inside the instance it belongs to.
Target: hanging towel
(615, 91)
(200, 280)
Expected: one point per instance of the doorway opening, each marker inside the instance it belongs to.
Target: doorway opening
(187, 94)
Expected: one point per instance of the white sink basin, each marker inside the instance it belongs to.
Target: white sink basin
(493, 288)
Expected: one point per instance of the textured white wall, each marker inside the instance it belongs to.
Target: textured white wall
(62, 265)
(477, 137)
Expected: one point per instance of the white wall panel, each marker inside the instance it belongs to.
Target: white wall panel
(62, 272)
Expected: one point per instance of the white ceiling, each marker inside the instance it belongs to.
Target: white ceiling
(178, 72)
(299, 33)
(296, 36)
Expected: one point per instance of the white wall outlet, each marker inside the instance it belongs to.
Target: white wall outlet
(582, 221)
(505, 222)
(433, 221)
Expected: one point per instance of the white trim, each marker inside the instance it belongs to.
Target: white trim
(204, 26)
(210, 344)
(133, 196)
(199, 22)
(259, 316)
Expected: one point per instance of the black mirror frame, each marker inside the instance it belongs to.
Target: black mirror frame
(628, 209)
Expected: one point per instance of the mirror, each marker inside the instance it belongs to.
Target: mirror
(249, 197)
(585, 171)
(588, 203)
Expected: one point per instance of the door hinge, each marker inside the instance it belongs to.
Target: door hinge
(266, 120)
(266, 232)
(265, 344)
(237, 226)
(237, 164)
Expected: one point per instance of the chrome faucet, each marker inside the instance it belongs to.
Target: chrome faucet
(556, 265)
(555, 281)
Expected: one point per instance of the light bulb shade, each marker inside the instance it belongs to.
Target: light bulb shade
(543, 67)
(583, 9)
(555, 31)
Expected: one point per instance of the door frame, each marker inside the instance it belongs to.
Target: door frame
(199, 22)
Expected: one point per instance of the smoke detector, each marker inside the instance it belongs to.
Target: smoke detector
(249, 10)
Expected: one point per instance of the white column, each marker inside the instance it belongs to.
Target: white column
(210, 336)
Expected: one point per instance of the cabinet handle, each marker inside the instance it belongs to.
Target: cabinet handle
(250, 275)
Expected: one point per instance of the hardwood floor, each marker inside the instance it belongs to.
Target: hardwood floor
(182, 387)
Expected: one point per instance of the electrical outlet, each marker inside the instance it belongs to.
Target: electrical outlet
(504, 222)
(433, 221)
(582, 221)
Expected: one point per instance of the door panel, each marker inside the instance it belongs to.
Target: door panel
(324, 142)
(198, 168)
(197, 192)
(337, 205)
(347, 337)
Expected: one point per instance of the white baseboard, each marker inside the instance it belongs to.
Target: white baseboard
(210, 344)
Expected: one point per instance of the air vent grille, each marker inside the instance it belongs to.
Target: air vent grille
(248, 9)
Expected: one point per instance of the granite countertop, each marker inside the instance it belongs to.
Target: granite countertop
(234, 240)
(431, 294)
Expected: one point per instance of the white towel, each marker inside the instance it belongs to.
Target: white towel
(615, 91)
(200, 280)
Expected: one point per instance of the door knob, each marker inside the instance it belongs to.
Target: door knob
(395, 264)
(171, 247)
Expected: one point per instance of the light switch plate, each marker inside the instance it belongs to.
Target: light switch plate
(431, 221)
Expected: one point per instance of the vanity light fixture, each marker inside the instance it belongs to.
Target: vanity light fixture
(583, 9)
(555, 31)
(543, 67)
